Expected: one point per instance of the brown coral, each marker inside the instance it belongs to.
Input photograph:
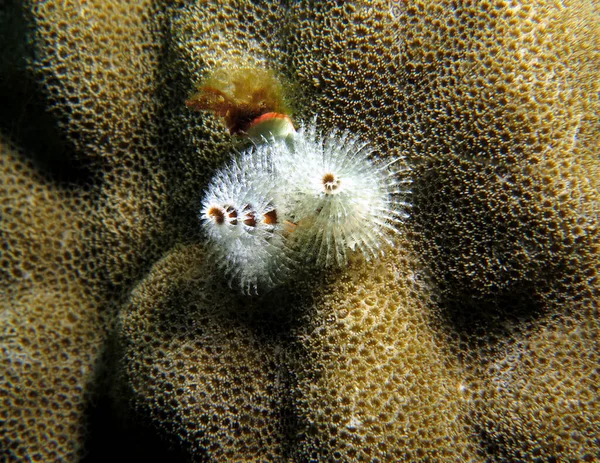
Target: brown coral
(476, 339)
(52, 334)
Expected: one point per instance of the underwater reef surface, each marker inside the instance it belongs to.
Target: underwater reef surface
(474, 339)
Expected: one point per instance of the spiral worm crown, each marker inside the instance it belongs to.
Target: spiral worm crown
(303, 198)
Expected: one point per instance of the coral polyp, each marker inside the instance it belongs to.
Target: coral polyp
(303, 197)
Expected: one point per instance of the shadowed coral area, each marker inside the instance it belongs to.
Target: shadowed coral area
(474, 339)
(326, 379)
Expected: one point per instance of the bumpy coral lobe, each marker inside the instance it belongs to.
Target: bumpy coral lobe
(51, 331)
(496, 105)
(223, 393)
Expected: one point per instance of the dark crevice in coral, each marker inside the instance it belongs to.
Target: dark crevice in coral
(487, 271)
(114, 433)
(115, 438)
(24, 117)
(184, 197)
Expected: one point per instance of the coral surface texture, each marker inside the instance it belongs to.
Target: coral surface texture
(473, 337)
